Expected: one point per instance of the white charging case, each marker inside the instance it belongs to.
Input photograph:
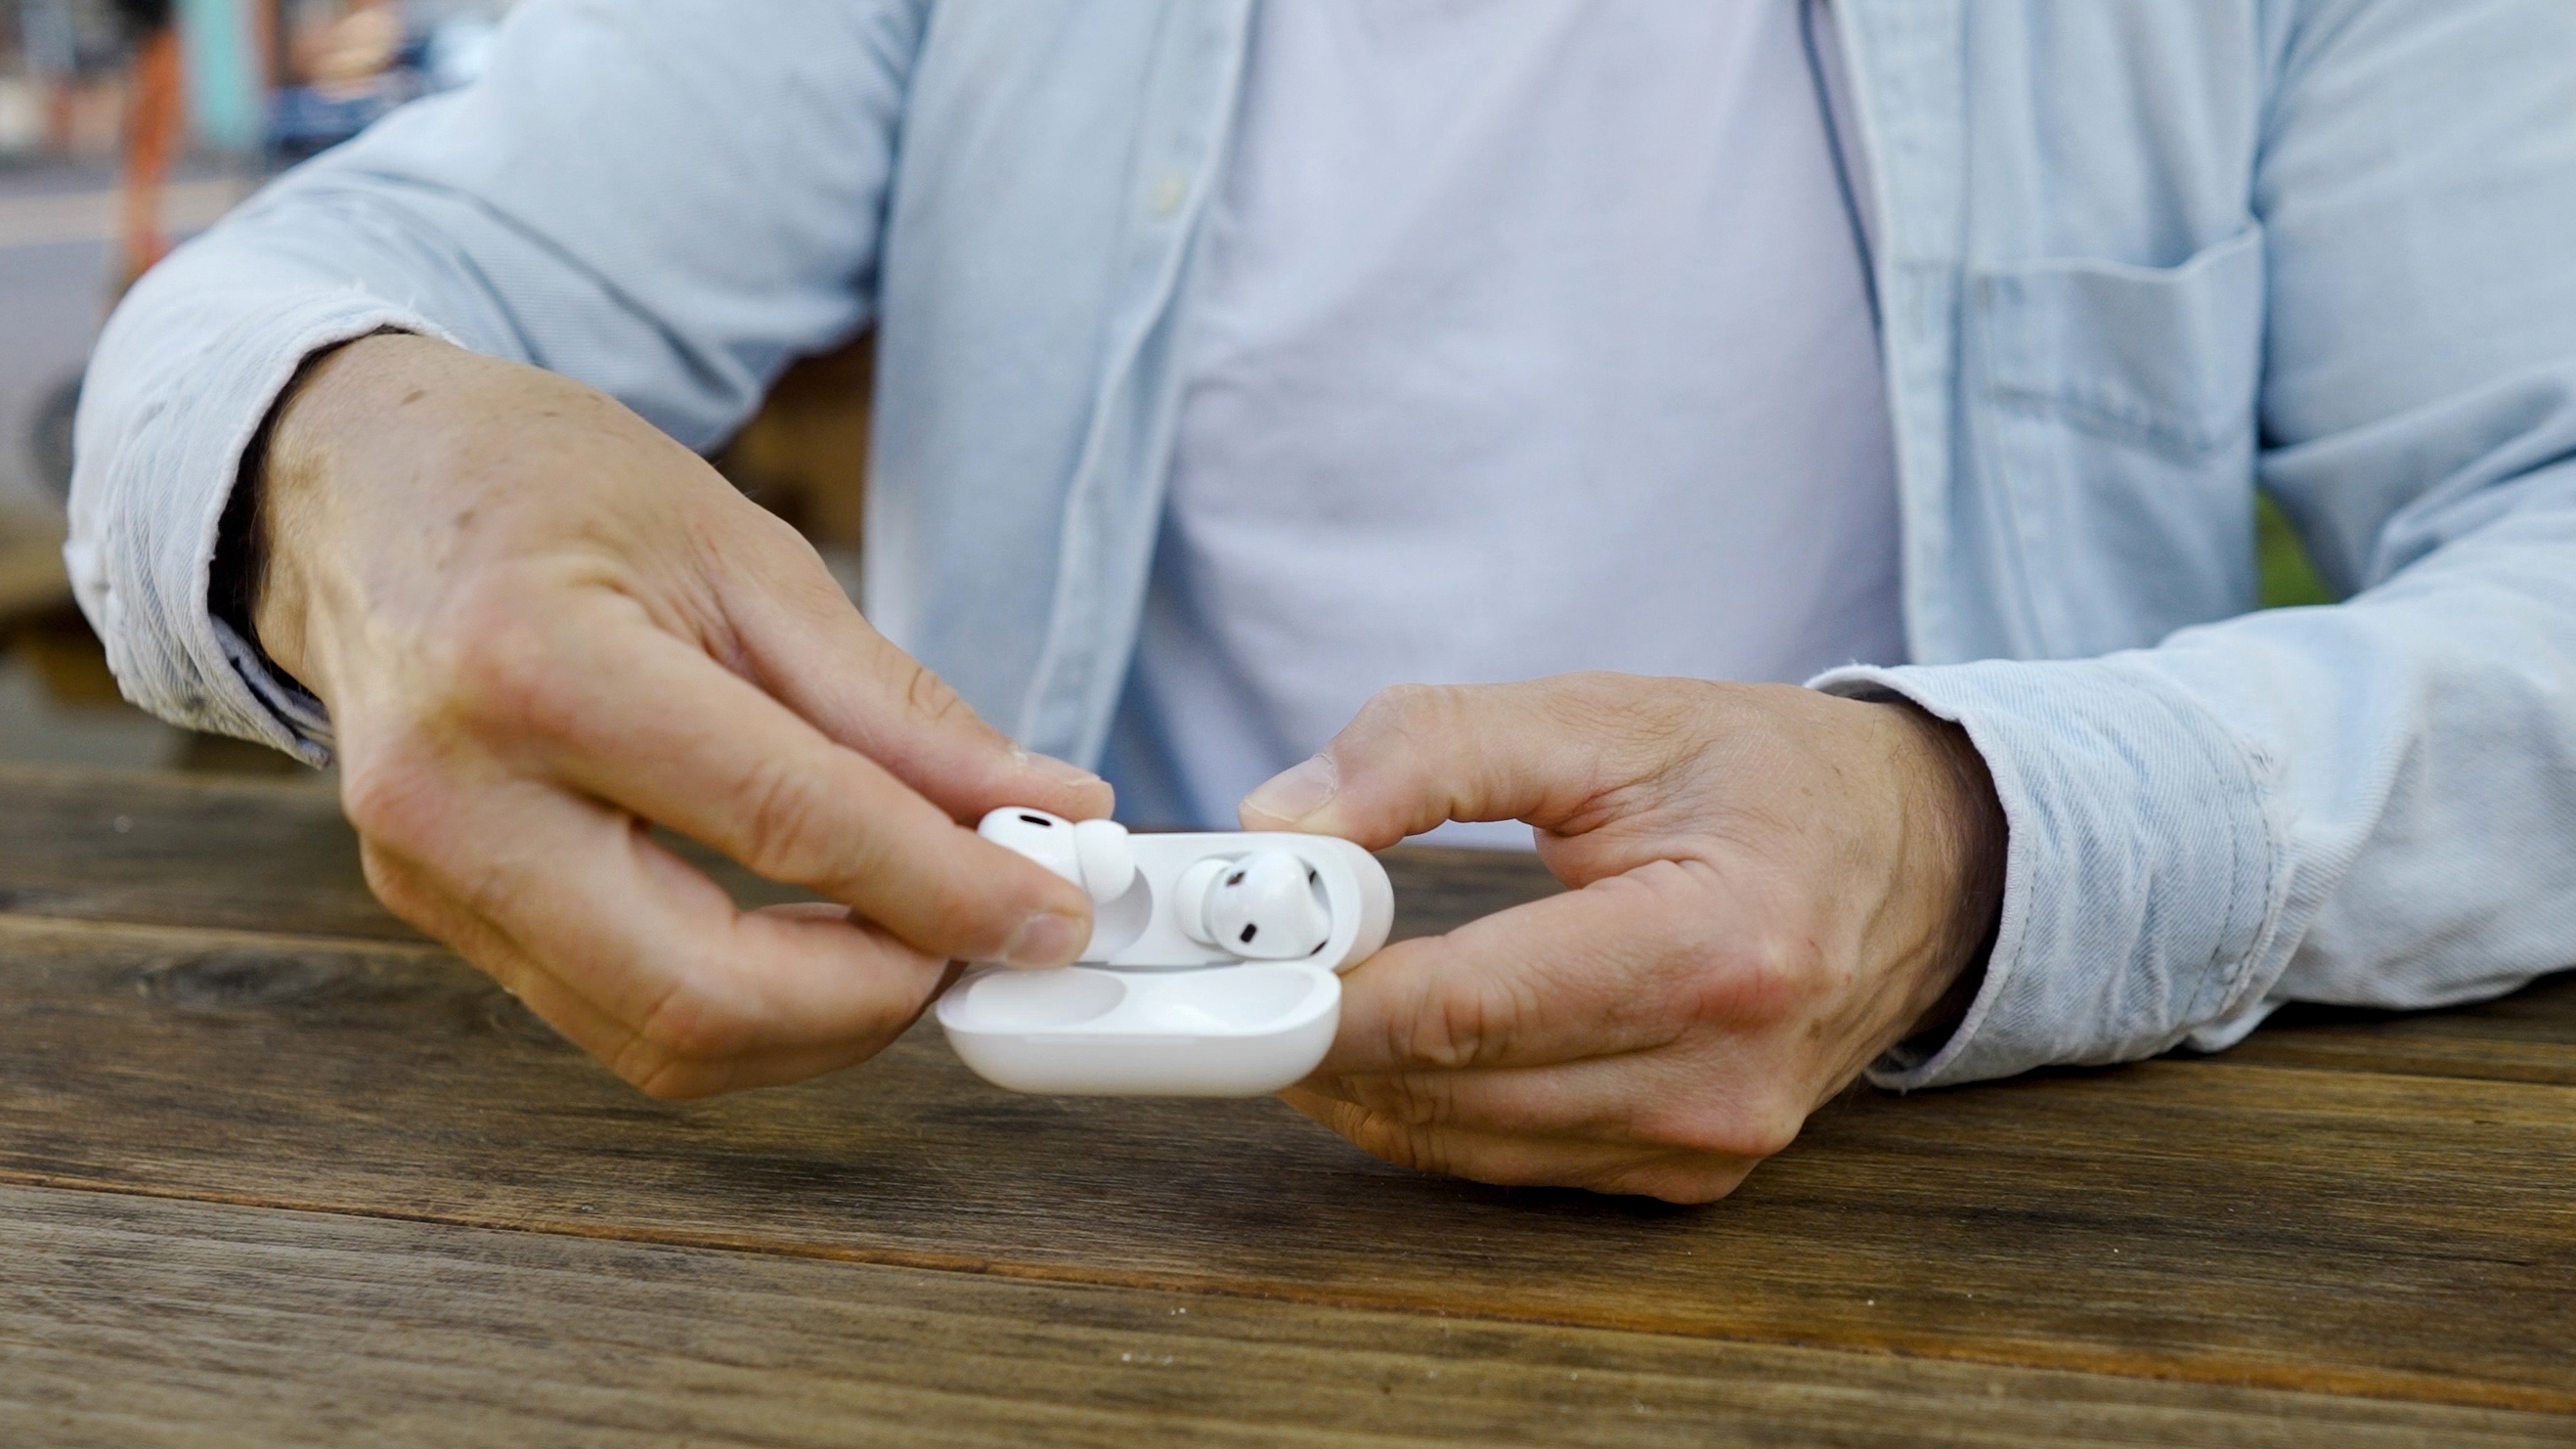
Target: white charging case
(1149, 1012)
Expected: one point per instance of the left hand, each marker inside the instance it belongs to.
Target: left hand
(1772, 887)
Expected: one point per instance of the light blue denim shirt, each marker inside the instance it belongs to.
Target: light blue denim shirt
(2136, 258)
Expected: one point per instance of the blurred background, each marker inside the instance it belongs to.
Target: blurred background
(129, 125)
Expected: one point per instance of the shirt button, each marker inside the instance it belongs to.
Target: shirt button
(1170, 189)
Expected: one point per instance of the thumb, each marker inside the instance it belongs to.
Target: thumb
(1419, 756)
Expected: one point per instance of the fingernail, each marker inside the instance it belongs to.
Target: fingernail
(1061, 771)
(1049, 938)
(1294, 794)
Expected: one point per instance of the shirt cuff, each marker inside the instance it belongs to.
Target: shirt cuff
(2142, 878)
(162, 441)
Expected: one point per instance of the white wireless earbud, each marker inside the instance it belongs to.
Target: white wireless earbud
(1266, 906)
(1094, 854)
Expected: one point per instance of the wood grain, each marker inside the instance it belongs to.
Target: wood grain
(31, 563)
(275, 855)
(2297, 1228)
(2529, 1036)
(127, 1321)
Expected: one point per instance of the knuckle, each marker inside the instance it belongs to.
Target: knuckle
(1784, 961)
(1415, 1099)
(1730, 1132)
(1406, 709)
(787, 825)
(770, 530)
(394, 886)
(689, 1026)
(502, 669)
(664, 1078)
(1766, 978)
(1471, 1027)
(393, 794)
(1408, 1145)
(931, 697)
(1768, 1134)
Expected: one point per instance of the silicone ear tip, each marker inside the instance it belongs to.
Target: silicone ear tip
(1190, 898)
(1107, 861)
(1264, 906)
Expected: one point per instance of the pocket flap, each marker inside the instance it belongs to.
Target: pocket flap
(2169, 356)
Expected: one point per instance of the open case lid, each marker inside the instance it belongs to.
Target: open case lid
(1150, 1011)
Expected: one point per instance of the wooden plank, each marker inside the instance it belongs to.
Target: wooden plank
(232, 852)
(2529, 1036)
(32, 577)
(274, 855)
(127, 1321)
(183, 850)
(2303, 1229)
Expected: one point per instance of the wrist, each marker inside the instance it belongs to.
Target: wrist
(1960, 833)
(281, 508)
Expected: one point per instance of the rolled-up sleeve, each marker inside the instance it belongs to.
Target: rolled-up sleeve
(668, 199)
(2141, 875)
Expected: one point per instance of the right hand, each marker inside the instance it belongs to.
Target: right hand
(539, 625)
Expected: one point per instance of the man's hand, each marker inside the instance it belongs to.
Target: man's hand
(1773, 887)
(539, 625)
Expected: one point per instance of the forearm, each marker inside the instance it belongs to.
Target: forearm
(2422, 758)
(2373, 804)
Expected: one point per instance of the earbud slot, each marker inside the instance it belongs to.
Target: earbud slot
(1115, 926)
(1226, 1001)
(1031, 1001)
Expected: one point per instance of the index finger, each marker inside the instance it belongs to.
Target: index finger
(1594, 972)
(719, 760)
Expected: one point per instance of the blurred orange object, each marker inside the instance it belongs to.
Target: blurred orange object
(155, 112)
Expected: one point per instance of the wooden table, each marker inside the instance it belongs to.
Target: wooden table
(32, 577)
(274, 1170)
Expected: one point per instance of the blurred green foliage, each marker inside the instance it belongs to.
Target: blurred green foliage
(2288, 577)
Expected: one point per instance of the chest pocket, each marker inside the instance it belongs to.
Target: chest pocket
(2113, 426)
